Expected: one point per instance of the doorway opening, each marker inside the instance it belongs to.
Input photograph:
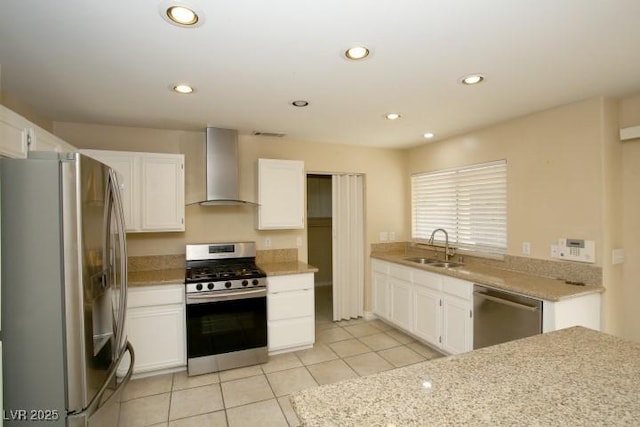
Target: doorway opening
(335, 236)
(319, 241)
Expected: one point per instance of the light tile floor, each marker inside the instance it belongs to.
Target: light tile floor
(259, 395)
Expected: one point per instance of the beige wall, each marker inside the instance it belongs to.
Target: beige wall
(554, 173)
(630, 291)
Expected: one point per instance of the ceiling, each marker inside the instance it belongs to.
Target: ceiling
(115, 62)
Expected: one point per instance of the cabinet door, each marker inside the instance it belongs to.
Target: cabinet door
(380, 295)
(157, 335)
(401, 304)
(288, 305)
(13, 135)
(125, 166)
(427, 314)
(162, 192)
(290, 333)
(41, 140)
(280, 194)
(457, 324)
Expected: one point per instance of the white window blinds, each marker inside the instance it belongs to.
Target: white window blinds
(469, 202)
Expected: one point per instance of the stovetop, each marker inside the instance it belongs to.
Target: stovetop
(222, 266)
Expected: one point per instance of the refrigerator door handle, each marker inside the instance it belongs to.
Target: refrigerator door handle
(119, 218)
(95, 405)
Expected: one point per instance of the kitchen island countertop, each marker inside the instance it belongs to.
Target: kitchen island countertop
(574, 376)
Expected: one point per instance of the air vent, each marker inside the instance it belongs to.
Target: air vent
(272, 134)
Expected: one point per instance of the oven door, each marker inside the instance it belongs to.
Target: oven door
(226, 330)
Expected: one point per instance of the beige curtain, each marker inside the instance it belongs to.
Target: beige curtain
(348, 246)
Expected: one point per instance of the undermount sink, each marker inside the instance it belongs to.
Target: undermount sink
(434, 262)
(419, 260)
(448, 264)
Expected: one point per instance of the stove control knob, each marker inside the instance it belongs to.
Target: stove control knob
(227, 285)
(245, 282)
(199, 286)
(210, 286)
(255, 282)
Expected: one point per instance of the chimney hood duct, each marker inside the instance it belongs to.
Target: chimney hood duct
(222, 168)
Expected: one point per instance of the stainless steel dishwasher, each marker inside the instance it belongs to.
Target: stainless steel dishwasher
(500, 316)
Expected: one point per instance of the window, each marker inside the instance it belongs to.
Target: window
(469, 202)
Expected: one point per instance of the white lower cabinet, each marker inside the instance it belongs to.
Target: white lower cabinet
(401, 308)
(380, 277)
(156, 328)
(427, 321)
(290, 312)
(432, 307)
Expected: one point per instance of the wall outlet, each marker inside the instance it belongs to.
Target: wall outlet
(267, 242)
(526, 248)
(392, 236)
(554, 251)
(384, 236)
(299, 241)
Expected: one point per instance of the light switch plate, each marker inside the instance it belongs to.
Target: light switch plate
(384, 236)
(617, 256)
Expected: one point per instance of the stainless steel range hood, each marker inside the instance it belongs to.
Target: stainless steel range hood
(222, 168)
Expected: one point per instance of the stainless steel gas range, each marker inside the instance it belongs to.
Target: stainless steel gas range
(226, 297)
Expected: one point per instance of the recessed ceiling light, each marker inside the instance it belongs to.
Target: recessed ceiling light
(300, 103)
(429, 135)
(181, 14)
(183, 89)
(356, 53)
(392, 116)
(471, 79)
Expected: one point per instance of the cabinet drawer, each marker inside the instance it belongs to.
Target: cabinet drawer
(287, 305)
(430, 280)
(148, 296)
(291, 282)
(380, 266)
(290, 333)
(400, 272)
(457, 287)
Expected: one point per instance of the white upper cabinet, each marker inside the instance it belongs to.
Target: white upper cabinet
(152, 188)
(13, 134)
(41, 140)
(280, 194)
(162, 192)
(19, 136)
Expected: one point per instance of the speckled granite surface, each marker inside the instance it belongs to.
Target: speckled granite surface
(571, 377)
(289, 267)
(525, 284)
(170, 269)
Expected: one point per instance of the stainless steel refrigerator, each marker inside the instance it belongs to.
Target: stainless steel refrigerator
(64, 291)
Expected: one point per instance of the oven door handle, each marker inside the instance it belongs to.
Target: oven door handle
(201, 298)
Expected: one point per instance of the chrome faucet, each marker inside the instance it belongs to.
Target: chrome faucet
(446, 241)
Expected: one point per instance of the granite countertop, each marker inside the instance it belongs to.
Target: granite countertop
(286, 267)
(157, 274)
(574, 376)
(526, 284)
(167, 276)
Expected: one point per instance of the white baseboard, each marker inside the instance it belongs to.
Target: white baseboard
(368, 315)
